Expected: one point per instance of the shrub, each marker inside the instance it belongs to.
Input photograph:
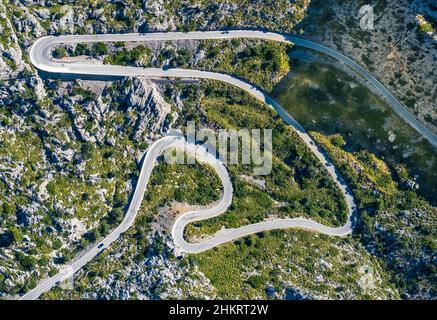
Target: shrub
(99, 49)
(256, 282)
(59, 53)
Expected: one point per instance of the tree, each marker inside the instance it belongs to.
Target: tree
(59, 53)
(57, 244)
(115, 216)
(137, 53)
(92, 235)
(104, 228)
(25, 261)
(338, 141)
(6, 239)
(81, 49)
(84, 243)
(99, 49)
(120, 197)
(87, 150)
(119, 44)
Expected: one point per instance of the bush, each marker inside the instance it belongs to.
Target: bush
(125, 58)
(57, 244)
(81, 49)
(115, 216)
(25, 261)
(6, 239)
(99, 49)
(59, 53)
(8, 210)
(87, 151)
(257, 282)
(17, 236)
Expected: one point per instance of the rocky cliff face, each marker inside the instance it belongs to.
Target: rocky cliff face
(149, 109)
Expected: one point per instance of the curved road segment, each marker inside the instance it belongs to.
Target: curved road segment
(40, 56)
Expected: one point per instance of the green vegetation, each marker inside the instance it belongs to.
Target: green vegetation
(263, 63)
(81, 49)
(5, 34)
(85, 95)
(124, 57)
(424, 25)
(122, 17)
(326, 100)
(194, 184)
(245, 268)
(398, 225)
(99, 49)
(89, 187)
(375, 151)
(6, 41)
(59, 53)
(298, 184)
(116, 54)
(383, 160)
(281, 260)
(314, 264)
(245, 13)
(395, 224)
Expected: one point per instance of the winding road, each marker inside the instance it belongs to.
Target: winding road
(40, 56)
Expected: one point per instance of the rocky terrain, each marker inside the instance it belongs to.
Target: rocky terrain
(70, 152)
(67, 162)
(401, 50)
(67, 158)
(159, 275)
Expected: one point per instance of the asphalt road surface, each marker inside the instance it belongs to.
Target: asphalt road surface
(40, 56)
